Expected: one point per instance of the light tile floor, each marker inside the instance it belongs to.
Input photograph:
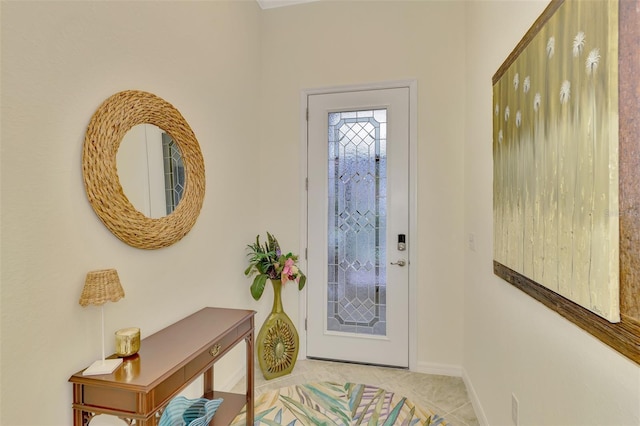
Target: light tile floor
(444, 395)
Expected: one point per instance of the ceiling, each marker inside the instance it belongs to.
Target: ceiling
(270, 4)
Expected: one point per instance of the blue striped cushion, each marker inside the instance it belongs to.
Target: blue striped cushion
(182, 411)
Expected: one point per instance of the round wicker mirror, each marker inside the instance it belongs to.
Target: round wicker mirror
(113, 119)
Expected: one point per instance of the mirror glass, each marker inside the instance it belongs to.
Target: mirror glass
(151, 170)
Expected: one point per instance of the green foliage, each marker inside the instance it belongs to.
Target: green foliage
(266, 261)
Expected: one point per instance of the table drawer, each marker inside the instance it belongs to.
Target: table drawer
(207, 357)
(104, 397)
(168, 388)
(245, 327)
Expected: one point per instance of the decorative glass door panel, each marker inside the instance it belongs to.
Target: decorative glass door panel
(173, 172)
(357, 221)
(358, 196)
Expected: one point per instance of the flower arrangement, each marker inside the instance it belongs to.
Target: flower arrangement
(266, 261)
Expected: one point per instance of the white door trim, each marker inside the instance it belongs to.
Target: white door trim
(413, 203)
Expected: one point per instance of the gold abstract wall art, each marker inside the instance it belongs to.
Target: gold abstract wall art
(555, 153)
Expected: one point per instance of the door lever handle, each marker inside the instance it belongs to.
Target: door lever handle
(400, 262)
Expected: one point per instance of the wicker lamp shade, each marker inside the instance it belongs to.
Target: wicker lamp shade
(101, 286)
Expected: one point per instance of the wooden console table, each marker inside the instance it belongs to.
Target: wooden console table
(167, 362)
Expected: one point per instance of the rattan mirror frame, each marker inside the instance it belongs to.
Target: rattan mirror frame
(111, 121)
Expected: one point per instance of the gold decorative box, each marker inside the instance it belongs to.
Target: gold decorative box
(127, 341)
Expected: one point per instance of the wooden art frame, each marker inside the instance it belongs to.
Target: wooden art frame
(624, 334)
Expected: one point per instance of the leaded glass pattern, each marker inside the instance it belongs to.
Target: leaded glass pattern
(357, 222)
(174, 181)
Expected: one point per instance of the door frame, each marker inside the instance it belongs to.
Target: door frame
(412, 85)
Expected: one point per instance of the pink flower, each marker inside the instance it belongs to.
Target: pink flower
(288, 272)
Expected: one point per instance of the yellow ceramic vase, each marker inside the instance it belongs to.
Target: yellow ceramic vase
(277, 341)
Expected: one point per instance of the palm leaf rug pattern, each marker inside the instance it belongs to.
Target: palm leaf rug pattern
(326, 403)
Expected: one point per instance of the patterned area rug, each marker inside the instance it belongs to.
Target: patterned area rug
(328, 403)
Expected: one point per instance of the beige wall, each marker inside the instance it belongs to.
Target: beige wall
(327, 44)
(60, 60)
(560, 374)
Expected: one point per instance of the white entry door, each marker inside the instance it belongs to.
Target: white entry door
(358, 223)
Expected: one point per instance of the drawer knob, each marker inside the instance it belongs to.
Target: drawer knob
(215, 349)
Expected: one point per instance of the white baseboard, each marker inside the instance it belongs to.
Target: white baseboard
(439, 369)
(473, 396)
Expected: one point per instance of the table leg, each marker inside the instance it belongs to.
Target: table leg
(250, 380)
(81, 418)
(208, 383)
